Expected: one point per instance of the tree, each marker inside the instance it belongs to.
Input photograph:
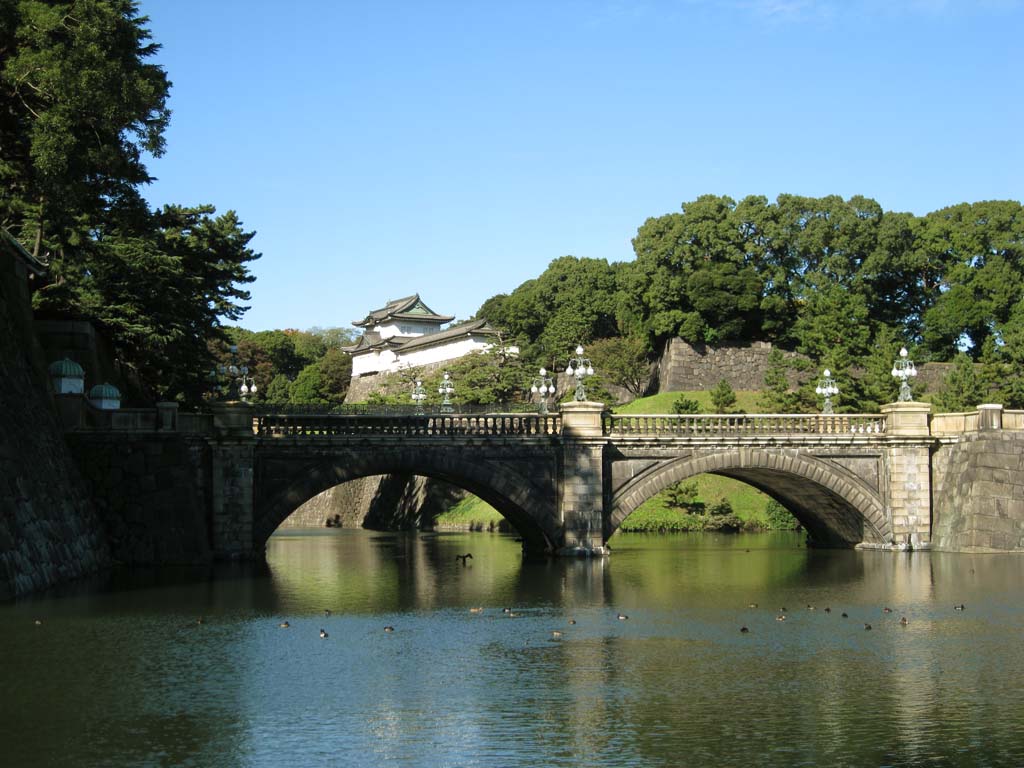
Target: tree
(777, 397)
(981, 249)
(308, 387)
(623, 361)
(487, 377)
(685, 405)
(681, 495)
(962, 389)
(572, 302)
(694, 275)
(80, 105)
(722, 397)
(278, 391)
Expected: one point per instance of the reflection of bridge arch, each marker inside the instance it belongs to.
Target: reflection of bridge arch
(833, 507)
(294, 481)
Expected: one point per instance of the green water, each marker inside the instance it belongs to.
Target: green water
(121, 673)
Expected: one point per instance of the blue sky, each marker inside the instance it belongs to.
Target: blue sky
(454, 149)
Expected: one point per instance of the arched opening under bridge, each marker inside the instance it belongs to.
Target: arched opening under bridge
(834, 507)
(294, 483)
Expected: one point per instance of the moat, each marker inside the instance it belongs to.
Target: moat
(122, 672)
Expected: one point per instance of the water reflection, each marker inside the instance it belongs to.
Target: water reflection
(120, 672)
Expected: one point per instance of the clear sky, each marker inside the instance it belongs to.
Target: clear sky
(384, 148)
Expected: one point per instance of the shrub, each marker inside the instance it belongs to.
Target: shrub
(684, 404)
(723, 398)
(780, 518)
(681, 495)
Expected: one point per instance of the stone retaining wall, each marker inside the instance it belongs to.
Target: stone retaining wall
(978, 499)
(686, 367)
(381, 502)
(149, 494)
(691, 367)
(346, 505)
(48, 530)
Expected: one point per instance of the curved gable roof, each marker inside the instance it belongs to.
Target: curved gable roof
(407, 308)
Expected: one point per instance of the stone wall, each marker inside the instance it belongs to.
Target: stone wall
(396, 383)
(690, 367)
(978, 499)
(686, 367)
(149, 494)
(381, 502)
(344, 505)
(49, 532)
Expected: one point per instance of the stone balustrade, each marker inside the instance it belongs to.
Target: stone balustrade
(490, 425)
(717, 425)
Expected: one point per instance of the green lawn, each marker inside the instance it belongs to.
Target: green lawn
(746, 400)
(473, 513)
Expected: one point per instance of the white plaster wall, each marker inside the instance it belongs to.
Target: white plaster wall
(406, 328)
(450, 351)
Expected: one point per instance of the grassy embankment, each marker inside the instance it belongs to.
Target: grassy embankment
(748, 504)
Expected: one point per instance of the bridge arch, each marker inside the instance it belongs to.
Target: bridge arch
(835, 508)
(291, 483)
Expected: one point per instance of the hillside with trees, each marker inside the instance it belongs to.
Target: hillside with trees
(842, 282)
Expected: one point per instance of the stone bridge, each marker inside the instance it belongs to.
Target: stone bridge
(567, 481)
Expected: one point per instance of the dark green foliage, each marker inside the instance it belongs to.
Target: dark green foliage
(684, 404)
(484, 377)
(723, 398)
(962, 388)
(777, 395)
(623, 361)
(572, 302)
(720, 517)
(682, 495)
(80, 106)
(296, 367)
(780, 518)
(278, 390)
(841, 281)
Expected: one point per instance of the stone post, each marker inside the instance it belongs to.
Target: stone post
(233, 449)
(71, 409)
(581, 503)
(908, 459)
(990, 417)
(167, 417)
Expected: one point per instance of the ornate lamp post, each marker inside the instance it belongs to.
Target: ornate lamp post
(904, 369)
(236, 374)
(579, 367)
(828, 388)
(447, 389)
(544, 386)
(419, 394)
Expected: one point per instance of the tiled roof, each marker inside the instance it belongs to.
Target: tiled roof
(372, 340)
(9, 242)
(408, 308)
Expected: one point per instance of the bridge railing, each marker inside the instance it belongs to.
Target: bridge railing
(434, 425)
(1013, 419)
(716, 425)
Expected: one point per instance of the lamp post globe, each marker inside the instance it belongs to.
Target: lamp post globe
(544, 386)
(904, 369)
(828, 389)
(446, 390)
(579, 367)
(419, 395)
